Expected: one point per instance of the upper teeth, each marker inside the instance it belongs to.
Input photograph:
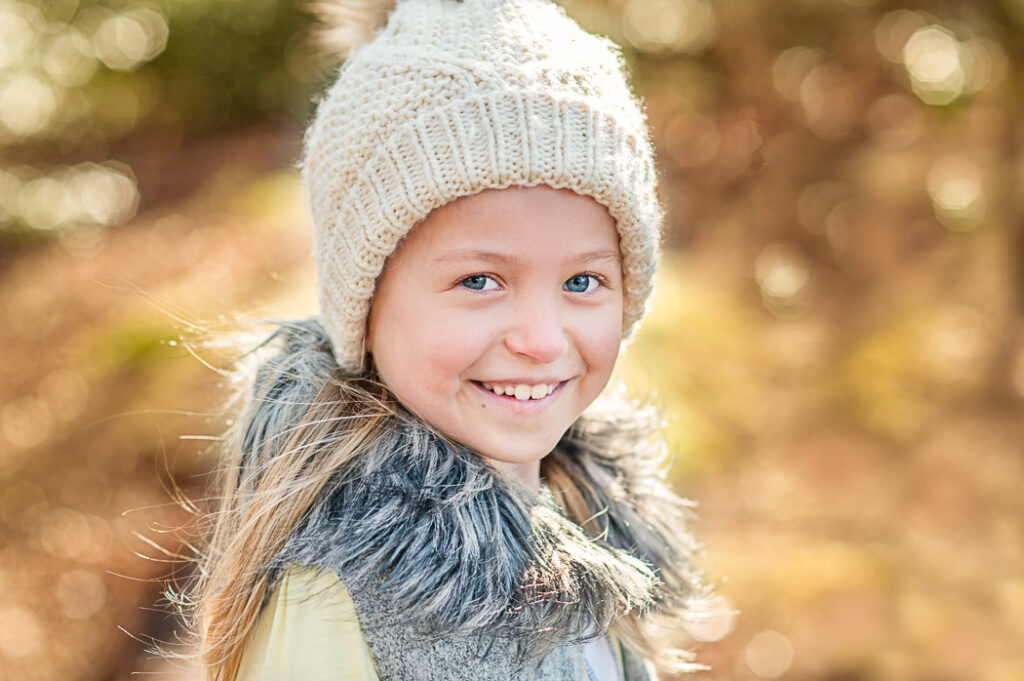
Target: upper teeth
(522, 391)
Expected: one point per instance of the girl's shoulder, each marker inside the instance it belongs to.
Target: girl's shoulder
(308, 629)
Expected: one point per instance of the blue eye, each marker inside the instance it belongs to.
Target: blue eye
(479, 282)
(580, 283)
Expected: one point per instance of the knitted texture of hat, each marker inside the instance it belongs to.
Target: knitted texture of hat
(451, 98)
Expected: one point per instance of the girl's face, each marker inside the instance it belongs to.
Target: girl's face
(498, 319)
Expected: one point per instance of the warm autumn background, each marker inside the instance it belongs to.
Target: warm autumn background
(838, 336)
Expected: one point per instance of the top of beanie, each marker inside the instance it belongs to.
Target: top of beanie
(452, 97)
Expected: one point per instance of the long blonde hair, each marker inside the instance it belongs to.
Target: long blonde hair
(303, 422)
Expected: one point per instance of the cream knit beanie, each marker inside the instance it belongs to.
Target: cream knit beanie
(453, 97)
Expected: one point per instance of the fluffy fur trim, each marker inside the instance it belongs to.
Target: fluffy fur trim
(452, 548)
(348, 24)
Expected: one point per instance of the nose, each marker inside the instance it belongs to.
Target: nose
(537, 332)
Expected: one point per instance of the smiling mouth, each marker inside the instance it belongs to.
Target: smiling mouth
(520, 391)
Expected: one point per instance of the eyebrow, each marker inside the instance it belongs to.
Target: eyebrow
(601, 254)
(504, 259)
(476, 254)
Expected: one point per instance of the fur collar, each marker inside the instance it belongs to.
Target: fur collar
(445, 542)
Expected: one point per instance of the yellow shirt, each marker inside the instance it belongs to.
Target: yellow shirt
(309, 631)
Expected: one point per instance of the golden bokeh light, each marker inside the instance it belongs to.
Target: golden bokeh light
(25, 422)
(29, 104)
(107, 196)
(10, 187)
(816, 203)
(44, 203)
(80, 594)
(896, 121)
(22, 505)
(88, 193)
(69, 59)
(959, 342)
(782, 274)
(957, 192)
(20, 28)
(894, 30)
(692, 140)
(791, 67)
(830, 101)
(932, 56)
(686, 26)
(44, 65)
(941, 66)
(65, 393)
(124, 41)
(769, 654)
(985, 63)
(21, 634)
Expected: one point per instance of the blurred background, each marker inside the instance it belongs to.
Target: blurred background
(837, 339)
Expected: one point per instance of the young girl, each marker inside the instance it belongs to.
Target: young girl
(422, 485)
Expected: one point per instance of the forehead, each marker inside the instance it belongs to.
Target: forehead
(535, 223)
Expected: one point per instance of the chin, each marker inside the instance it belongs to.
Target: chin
(523, 454)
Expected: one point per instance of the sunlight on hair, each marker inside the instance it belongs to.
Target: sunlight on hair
(714, 625)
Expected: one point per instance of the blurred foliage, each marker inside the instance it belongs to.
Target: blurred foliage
(86, 82)
(837, 335)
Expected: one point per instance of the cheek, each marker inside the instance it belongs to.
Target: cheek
(604, 340)
(451, 346)
(421, 351)
(606, 351)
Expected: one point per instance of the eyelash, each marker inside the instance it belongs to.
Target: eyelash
(602, 281)
(475, 276)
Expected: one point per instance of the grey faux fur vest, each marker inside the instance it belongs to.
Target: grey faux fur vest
(457, 574)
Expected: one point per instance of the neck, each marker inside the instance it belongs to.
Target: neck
(526, 474)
